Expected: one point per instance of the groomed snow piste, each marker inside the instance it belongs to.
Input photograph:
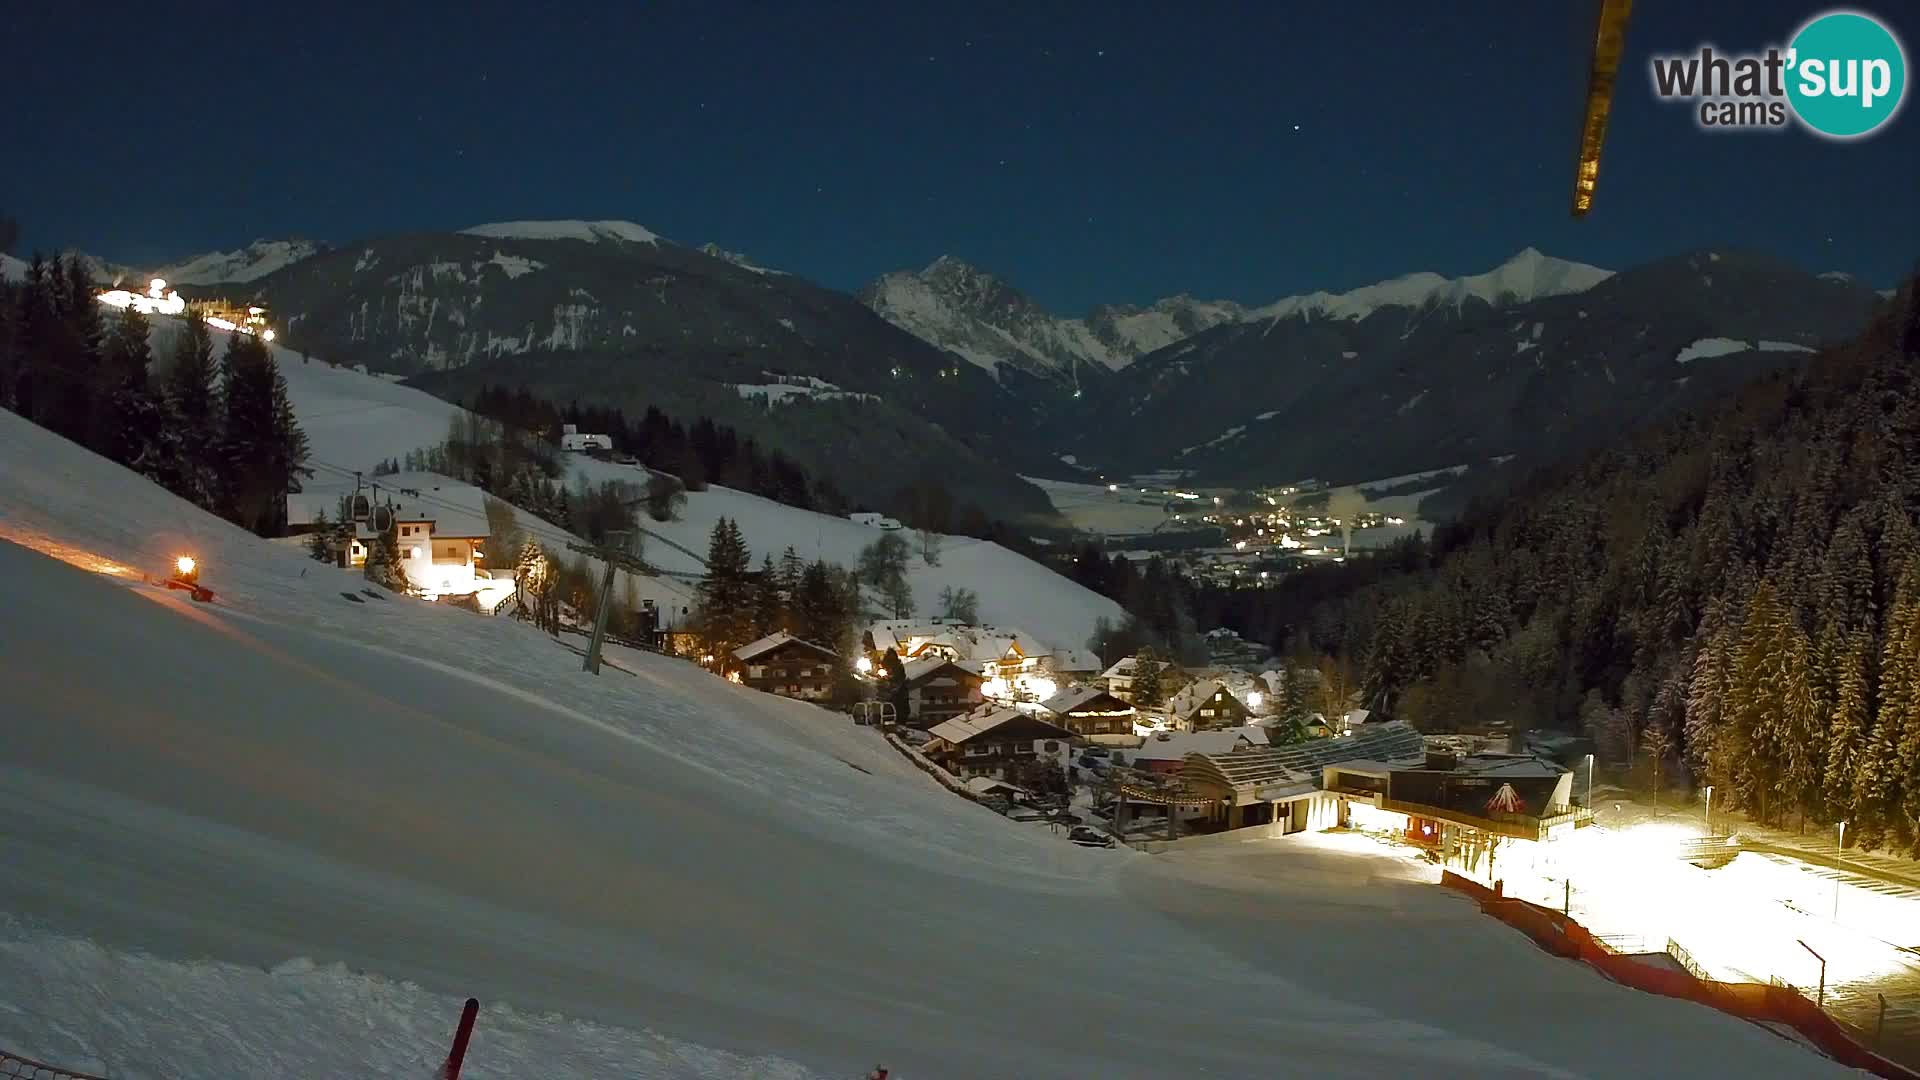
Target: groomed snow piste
(286, 833)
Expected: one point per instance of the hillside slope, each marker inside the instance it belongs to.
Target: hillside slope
(354, 421)
(425, 795)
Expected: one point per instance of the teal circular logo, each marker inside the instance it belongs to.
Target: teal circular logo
(1846, 74)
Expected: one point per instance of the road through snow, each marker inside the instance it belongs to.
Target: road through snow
(287, 833)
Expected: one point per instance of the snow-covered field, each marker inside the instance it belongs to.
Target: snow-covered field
(354, 421)
(285, 834)
(1110, 513)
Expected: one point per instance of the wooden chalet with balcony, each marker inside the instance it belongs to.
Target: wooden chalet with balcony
(1091, 712)
(786, 665)
(939, 689)
(992, 743)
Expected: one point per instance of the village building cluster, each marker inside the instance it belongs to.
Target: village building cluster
(1038, 732)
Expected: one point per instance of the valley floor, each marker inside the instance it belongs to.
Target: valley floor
(286, 833)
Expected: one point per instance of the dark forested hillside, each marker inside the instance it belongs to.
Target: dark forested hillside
(1735, 592)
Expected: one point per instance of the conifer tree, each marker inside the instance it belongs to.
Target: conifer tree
(818, 613)
(33, 334)
(1803, 730)
(247, 465)
(320, 541)
(10, 352)
(788, 577)
(383, 562)
(69, 391)
(1847, 728)
(1766, 699)
(726, 593)
(1147, 684)
(134, 435)
(1707, 696)
(289, 447)
(193, 414)
(769, 612)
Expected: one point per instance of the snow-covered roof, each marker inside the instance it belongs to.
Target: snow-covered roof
(968, 642)
(751, 649)
(1296, 763)
(1073, 697)
(590, 231)
(1509, 765)
(987, 785)
(916, 670)
(1176, 745)
(1075, 660)
(981, 721)
(1195, 695)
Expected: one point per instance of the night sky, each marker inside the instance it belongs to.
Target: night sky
(1087, 153)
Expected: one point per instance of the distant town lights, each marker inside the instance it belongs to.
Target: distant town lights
(157, 300)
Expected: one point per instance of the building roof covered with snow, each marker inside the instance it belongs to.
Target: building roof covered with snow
(747, 653)
(915, 670)
(1073, 697)
(1077, 661)
(1259, 773)
(1176, 745)
(1195, 695)
(963, 641)
(961, 729)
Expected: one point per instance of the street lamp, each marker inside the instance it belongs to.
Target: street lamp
(1839, 844)
(1589, 783)
(1709, 809)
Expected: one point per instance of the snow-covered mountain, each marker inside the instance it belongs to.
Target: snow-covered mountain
(1133, 332)
(1537, 358)
(974, 314)
(1527, 276)
(592, 232)
(737, 259)
(256, 260)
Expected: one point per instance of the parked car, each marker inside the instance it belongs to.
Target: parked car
(1095, 752)
(1088, 836)
(1026, 813)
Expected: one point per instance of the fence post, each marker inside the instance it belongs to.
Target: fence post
(458, 1055)
(1880, 1026)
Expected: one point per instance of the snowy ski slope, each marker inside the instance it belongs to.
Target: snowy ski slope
(286, 833)
(354, 420)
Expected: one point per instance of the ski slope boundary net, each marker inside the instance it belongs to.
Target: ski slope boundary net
(12, 1065)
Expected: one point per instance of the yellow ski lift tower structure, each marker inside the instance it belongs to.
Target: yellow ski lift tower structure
(1609, 43)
